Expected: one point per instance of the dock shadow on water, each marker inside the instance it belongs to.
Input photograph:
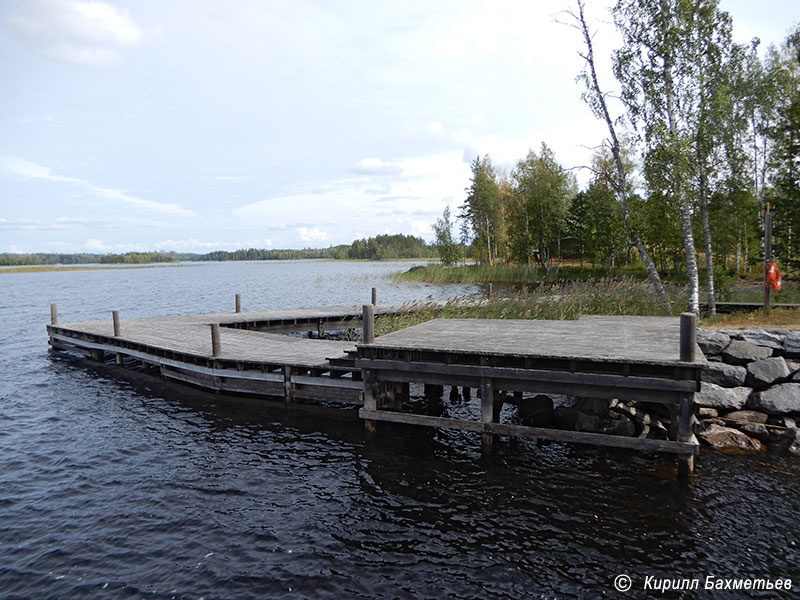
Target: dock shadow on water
(133, 488)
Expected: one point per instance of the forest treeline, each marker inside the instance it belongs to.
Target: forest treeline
(702, 135)
(381, 247)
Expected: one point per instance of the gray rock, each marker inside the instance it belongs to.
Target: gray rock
(740, 352)
(791, 344)
(754, 430)
(730, 441)
(713, 422)
(782, 421)
(723, 374)
(715, 396)
(777, 400)
(763, 373)
(747, 416)
(712, 342)
(759, 337)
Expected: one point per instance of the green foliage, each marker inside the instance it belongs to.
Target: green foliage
(542, 191)
(448, 249)
(480, 210)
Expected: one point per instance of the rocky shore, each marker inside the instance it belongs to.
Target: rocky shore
(749, 398)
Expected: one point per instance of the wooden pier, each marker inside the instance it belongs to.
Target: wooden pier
(652, 359)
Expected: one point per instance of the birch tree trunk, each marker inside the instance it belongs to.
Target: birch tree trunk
(619, 182)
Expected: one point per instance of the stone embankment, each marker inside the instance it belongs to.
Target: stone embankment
(749, 398)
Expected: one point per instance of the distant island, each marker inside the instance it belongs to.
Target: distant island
(381, 247)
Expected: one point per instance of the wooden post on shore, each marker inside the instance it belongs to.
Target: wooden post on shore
(686, 401)
(54, 314)
(767, 256)
(489, 291)
(216, 342)
(238, 303)
(374, 296)
(368, 323)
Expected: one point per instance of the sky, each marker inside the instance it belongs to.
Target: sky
(197, 125)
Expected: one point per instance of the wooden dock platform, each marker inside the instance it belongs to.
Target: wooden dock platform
(650, 359)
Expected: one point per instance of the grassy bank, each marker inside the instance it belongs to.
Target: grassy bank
(729, 289)
(571, 300)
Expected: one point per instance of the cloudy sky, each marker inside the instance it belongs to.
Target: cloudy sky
(201, 125)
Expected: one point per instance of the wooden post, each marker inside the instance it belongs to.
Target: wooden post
(489, 291)
(216, 342)
(487, 414)
(374, 296)
(688, 336)
(767, 255)
(320, 329)
(238, 303)
(368, 323)
(686, 401)
(287, 385)
(115, 319)
(54, 314)
(370, 402)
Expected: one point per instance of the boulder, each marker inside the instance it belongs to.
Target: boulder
(707, 413)
(712, 342)
(763, 373)
(781, 440)
(537, 411)
(777, 400)
(730, 441)
(754, 430)
(723, 374)
(620, 425)
(791, 344)
(760, 337)
(715, 396)
(747, 416)
(740, 352)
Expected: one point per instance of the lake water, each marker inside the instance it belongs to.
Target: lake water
(134, 488)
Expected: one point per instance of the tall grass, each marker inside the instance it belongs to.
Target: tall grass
(572, 300)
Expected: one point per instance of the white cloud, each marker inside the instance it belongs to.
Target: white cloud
(84, 32)
(375, 166)
(30, 170)
(311, 235)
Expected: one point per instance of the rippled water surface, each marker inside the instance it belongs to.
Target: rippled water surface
(132, 488)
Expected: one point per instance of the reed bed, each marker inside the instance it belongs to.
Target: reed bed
(625, 296)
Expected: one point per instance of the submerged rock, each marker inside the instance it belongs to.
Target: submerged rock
(730, 441)
(715, 396)
(537, 411)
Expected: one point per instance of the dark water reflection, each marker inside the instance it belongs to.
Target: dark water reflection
(132, 488)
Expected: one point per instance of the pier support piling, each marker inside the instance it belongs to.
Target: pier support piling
(238, 303)
(54, 314)
(374, 296)
(216, 342)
